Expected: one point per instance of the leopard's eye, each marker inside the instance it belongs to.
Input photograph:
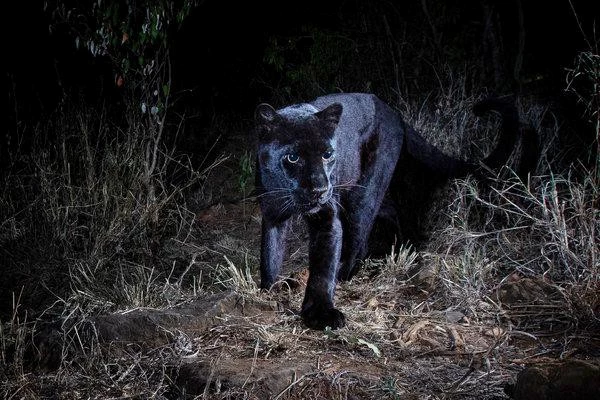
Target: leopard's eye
(328, 155)
(292, 158)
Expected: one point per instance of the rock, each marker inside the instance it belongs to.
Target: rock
(149, 328)
(263, 378)
(568, 380)
(529, 291)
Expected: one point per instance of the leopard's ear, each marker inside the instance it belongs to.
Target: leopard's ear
(265, 114)
(267, 120)
(331, 116)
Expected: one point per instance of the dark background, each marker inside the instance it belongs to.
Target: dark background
(219, 54)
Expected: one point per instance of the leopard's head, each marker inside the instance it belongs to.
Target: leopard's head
(296, 156)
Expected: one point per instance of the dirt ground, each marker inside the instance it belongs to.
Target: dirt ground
(401, 342)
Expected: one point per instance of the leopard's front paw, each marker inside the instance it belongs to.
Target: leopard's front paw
(321, 317)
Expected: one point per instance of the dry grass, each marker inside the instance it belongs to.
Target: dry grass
(98, 206)
(90, 223)
(511, 277)
(546, 227)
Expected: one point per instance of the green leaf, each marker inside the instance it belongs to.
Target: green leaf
(352, 339)
(330, 333)
(370, 345)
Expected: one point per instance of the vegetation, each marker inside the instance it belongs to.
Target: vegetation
(124, 278)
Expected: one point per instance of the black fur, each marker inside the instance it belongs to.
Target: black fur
(332, 161)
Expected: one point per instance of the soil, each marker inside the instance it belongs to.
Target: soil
(237, 342)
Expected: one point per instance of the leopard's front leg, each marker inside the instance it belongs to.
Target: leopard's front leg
(325, 230)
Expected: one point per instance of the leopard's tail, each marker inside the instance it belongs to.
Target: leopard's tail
(509, 130)
(444, 165)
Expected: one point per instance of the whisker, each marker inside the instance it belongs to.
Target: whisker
(348, 185)
(334, 201)
(288, 203)
(274, 191)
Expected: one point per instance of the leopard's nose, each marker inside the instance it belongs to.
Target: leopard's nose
(318, 193)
